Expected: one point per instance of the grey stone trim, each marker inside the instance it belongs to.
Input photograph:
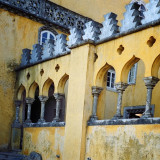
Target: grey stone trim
(46, 12)
(47, 28)
(75, 36)
(26, 56)
(60, 44)
(120, 87)
(16, 123)
(136, 121)
(48, 49)
(95, 92)
(29, 102)
(33, 156)
(92, 31)
(150, 83)
(44, 124)
(59, 98)
(152, 11)
(36, 53)
(132, 17)
(131, 109)
(43, 100)
(110, 26)
(41, 61)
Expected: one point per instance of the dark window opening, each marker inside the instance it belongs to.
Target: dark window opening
(36, 108)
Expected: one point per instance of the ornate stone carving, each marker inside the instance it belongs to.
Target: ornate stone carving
(132, 17)
(152, 11)
(43, 100)
(36, 53)
(46, 12)
(59, 98)
(26, 56)
(29, 102)
(48, 49)
(110, 26)
(95, 92)
(92, 31)
(74, 37)
(150, 83)
(120, 87)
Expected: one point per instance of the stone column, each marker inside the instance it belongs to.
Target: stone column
(150, 83)
(29, 102)
(17, 103)
(43, 100)
(95, 92)
(120, 87)
(59, 98)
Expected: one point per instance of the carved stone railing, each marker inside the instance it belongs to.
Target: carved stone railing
(46, 12)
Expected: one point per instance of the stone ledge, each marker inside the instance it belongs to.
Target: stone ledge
(125, 121)
(45, 124)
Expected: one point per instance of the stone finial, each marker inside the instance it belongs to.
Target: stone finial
(26, 56)
(110, 26)
(48, 49)
(92, 31)
(36, 53)
(152, 11)
(60, 44)
(75, 36)
(132, 17)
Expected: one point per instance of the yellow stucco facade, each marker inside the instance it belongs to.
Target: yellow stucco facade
(73, 75)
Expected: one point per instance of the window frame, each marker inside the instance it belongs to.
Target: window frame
(109, 88)
(135, 75)
(45, 28)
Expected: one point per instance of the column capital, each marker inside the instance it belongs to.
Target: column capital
(120, 86)
(17, 102)
(58, 96)
(150, 82)
(43, 98)
(29, 100)
(96, 90)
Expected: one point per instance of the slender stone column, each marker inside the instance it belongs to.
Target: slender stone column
(43, 100)
(150, 83)
(120, 87)
(95, 92)
(58, 97)
(29, 102)
(17, 103)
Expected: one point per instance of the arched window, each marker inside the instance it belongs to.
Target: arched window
(46, 35)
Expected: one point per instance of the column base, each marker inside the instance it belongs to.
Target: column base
(93, 118)
(55, 120)
(116, 116)
(41, 121)
(28, 121)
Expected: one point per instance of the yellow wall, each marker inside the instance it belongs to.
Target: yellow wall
(95, 9)
(17, 33)
(48, 141)
(128, 142)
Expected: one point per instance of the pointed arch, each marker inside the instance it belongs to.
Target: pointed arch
(46, 86)
(155, 66)
(127, 67)
(62, 82)
(20, 91)
(32, 89)
(100, 75)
